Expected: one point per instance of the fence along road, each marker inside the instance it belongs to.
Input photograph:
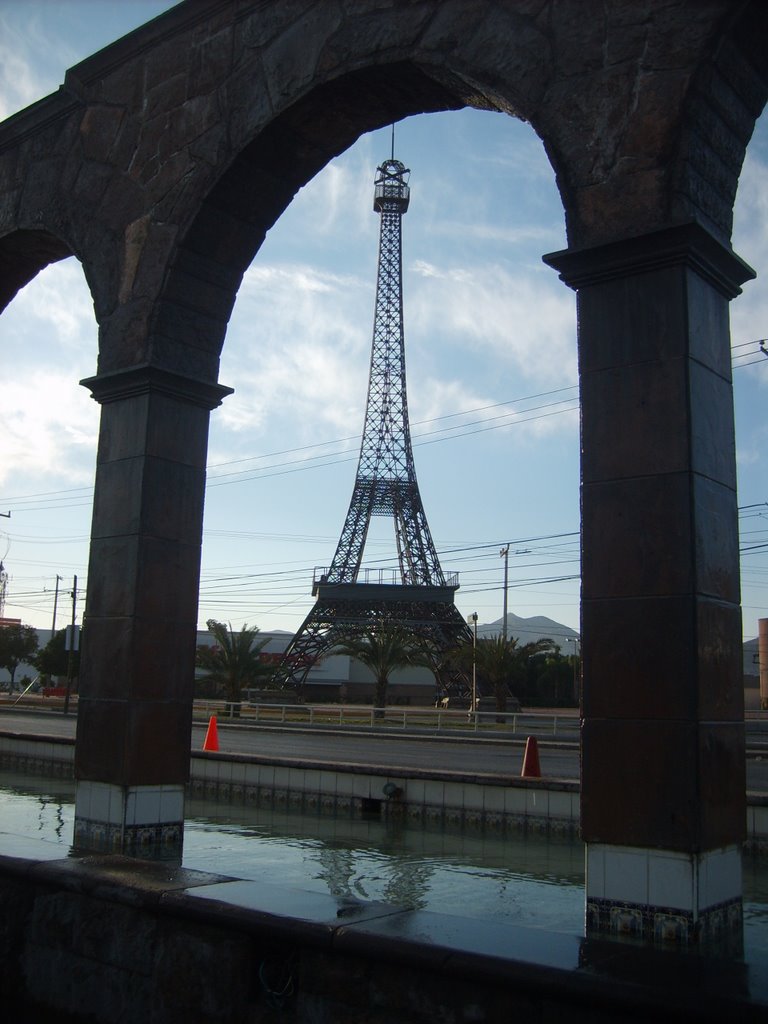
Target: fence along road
(385, 746)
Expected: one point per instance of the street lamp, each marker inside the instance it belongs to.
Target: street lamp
(504, 553)
(575, 641)
(473, 620)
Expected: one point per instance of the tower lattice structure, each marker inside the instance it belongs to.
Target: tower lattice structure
(416, 594)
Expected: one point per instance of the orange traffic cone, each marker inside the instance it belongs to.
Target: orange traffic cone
(211, 741)
(531, 766)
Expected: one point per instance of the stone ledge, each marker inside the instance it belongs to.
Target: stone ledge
(422, 954)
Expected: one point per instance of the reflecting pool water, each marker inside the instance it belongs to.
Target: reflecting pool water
(528, 880)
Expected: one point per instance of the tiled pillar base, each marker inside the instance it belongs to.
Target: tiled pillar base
(138, 821)
(664, 897)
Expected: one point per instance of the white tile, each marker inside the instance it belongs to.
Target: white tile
(147, 805)
(83, 800)
(453, 795)
(761, 822)
(514, 800)
(130, 809)
(366, 786)
(671, 880)
(100, 801)
(282, 777)
(493, 802)
(345, 788)
(537, 803)
(297, 779)
(560, 804)
(595, 871)
(414, 790)
(172, 803)
(719, 877)
(328, 782)
(266, 776)
(434, 793)
(473, 798)
(626, 874)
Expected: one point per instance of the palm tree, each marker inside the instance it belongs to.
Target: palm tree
(451, 666)
(234, 661)
(501, 663)
(383, 647)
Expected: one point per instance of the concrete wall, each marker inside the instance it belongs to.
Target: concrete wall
(106, 939)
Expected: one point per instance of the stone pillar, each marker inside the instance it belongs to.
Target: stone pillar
(762, 661)
(663, 771)
(136, 680)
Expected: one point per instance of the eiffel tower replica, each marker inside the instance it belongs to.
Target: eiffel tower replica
(417, 594)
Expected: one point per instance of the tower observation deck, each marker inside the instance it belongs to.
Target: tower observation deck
(417, 594)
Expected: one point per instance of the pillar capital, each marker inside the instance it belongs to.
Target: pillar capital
(147, 379)
(688, 245)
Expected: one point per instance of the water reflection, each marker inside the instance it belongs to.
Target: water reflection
(45, 823)
(528, 880)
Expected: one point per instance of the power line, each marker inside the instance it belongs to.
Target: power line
(331, 458)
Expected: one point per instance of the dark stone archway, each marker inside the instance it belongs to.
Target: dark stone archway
(162, 162)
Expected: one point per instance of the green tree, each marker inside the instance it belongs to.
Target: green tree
(53, 660)
(383, 647)
(502, 665)
(234, 661)
(18, 644)
(552, 680)
(451, 666)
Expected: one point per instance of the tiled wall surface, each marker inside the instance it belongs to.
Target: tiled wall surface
(664, 895)
(452, 802)
(134, 819)
(434, 800)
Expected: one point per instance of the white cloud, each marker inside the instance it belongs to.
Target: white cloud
(48, 341)
(24, 78)
(48, 429)
(297, 351)
(515, 319)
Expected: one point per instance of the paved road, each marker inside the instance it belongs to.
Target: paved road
(394, 750)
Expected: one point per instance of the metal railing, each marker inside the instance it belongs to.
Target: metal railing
(416, 719)
(379, 577)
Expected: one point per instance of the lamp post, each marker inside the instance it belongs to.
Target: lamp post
(575, 641)
(473, 620)
(504, 553)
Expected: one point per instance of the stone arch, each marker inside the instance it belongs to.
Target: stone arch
(233, 219)
(23, 254)
(666, 147)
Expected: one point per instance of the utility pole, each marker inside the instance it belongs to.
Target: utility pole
(72, 648)
(504, 553)
(473, 620)
(55, 604)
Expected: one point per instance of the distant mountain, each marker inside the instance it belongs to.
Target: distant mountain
(526, 631)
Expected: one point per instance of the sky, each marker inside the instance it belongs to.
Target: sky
(491, 369)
